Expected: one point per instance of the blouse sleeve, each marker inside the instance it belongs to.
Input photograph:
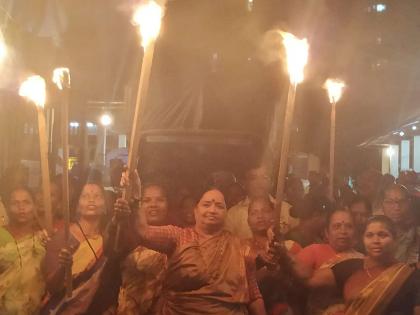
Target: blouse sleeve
(307, 257)
(343, 270)
(162, 238)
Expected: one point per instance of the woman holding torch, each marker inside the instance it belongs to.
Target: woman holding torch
(208, 271)
(84, 253)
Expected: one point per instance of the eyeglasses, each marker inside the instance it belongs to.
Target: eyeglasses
(392, 202)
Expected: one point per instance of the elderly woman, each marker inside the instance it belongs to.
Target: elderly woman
(341, 239)
(84, 254)
(21, 253)
(377, 284)
(208, 272)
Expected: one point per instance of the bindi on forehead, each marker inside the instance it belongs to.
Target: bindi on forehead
(212, 200)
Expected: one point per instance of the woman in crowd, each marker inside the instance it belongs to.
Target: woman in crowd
(186, 211)
(21, 253)
(143, 270)
(396, 205)
(56, 203)
(274, 285)
(84, 254)
(377, 284)
(340, 235)
(361, 209)
(208, 272)
(312, 213)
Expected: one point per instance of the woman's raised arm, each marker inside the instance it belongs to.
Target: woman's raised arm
(159, 238)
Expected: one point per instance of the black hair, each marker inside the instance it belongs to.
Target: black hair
(79, 194)
(103, 220)
(161, 186)
(389, 224)
(96, 183)
(253, 168)
(398, 187)
(311, 206)
(187, 197)
(331, 213)
(206, 189)
(8, 196)
(266, 200)
(361, 199)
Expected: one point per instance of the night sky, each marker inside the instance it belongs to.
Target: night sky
(212, 46)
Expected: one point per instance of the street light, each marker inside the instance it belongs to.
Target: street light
(105, 120)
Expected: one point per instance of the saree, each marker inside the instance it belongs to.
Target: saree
(21, 283)
(376, 296)
(206, 278)
(143, 272)
(88, 264)
(327, 301)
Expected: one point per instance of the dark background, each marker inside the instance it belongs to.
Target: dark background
(212, 45)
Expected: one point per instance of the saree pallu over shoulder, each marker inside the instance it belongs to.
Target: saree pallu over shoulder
(21, 282)
(86, 270)
(327, 300)
(85, 287)
(376, 296)
(206, 278)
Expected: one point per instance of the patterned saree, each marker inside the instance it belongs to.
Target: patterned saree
(206, 278)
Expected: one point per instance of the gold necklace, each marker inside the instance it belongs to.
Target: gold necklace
(367, 272)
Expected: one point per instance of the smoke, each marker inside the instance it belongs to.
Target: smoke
(271, 48)
(129, 6)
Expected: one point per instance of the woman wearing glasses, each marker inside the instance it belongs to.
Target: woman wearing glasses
(396, 205)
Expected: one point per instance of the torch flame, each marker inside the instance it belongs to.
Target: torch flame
(33, 89)
(148, 17)
(3, 50)
(61, 77)
(335, 89)
(297, 56)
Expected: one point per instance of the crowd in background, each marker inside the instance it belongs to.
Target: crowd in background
(211, 248)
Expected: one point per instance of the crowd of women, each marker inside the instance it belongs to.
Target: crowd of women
(214, 250)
